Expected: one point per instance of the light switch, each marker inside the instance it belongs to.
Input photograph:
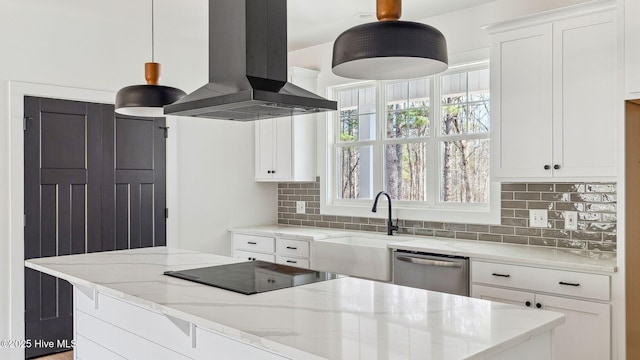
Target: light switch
(538, 218)
(571, 220)
(300, 207)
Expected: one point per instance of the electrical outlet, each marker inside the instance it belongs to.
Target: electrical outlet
(571, 220)
(538, 218)
(300, 207)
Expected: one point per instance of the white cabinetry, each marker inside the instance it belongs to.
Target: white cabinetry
(553, 96)
(279, 250)
(632, 48)
(286, 147)
(581, 297)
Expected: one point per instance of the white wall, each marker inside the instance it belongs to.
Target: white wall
(96, 44)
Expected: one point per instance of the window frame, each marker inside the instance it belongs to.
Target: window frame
(431, 210)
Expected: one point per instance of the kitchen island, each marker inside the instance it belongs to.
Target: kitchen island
(125, 308)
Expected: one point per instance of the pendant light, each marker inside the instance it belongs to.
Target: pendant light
(147, 100)
(389, 49)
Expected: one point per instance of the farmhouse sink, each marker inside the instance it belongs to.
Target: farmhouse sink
(361, 256)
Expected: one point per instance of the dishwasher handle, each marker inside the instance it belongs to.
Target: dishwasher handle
(428, 262)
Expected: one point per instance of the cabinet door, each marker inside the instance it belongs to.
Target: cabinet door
(521, 102)
(632, 48)
(265, 130)
(513, 297)
(282, 140)
(586, 334)
(585, 90)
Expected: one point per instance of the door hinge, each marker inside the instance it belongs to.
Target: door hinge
(166, 213)
(166, 131)
(24, 220)
(24, 123)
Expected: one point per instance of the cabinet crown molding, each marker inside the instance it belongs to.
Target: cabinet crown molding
(545, 17)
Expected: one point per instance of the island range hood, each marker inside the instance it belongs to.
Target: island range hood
(248, 67)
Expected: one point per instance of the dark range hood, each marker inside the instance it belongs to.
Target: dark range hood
(248, 67)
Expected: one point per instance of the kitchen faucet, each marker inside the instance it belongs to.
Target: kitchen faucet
(390, 227)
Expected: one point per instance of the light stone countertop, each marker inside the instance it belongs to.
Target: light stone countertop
(569, 259)
(346, 318)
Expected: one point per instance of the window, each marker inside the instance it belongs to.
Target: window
(425, 141)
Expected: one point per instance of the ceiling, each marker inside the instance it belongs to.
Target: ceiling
(313, 22)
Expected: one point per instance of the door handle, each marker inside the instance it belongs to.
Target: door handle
(428, 262)
(292, 248)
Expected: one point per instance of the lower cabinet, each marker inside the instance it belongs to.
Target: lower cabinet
(285, 251)
(586, 333)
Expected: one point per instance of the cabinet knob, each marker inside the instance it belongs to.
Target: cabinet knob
(273, 171)
(538, 305)
(556, 167)
(268, 171)
(528, 303)
(547, 167)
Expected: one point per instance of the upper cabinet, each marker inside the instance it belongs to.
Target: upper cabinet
(553, 92)
(632, 48)
(286, 147)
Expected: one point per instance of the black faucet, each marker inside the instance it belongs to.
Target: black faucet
(390, 227)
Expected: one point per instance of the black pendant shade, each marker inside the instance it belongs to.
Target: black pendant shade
(389, 49)
(147, 100)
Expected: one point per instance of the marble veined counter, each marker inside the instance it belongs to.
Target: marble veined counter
(346, 318)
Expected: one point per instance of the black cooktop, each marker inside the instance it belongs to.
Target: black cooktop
(252, 277)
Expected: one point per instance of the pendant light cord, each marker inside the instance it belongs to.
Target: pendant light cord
(153, 50)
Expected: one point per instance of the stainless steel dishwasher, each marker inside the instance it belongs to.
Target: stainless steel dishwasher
(443, 273)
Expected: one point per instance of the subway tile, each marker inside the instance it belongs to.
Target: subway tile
(524, 231)
(478, 228)
(527, 196)
(313, 204)
(466, 235)
(604, 227)
(344, 219)
(433, 225)
(514, 222)
(507, 213)
(558, 234)
(514, 187)
(571, 244)
(308, 185)
(512, 204)
(370, 227)
(455, 227)
(539, 241)
(413, 223)
(555, 196)
(361, 220)
(376, 221)
(609, 217)
(506, 195)
(315, 217)
(282, 209)
(423, 232)
(601, 188)
(444, 233)
(322, 224)
(406, 230)
(353, 227)
(307, 198)
(521, 214)
(555, 215)
(490, 237)
(301, 216)
(282, 185)
(329, 218)
(606, 198)
(301, 192)
(540, 187)
(511, 239)
(602, 246)
(288, 191)
(586, 197)
(289, 216)
(283, 221)
(570, 187)
(539, 205)
(295, 222)
(570, 206)
(502, 230)
(601, 207)
(609, 237)
(290, 204)
(334, 225)
(586, 235)
(585, 216)
(308, 223)
(293, 185)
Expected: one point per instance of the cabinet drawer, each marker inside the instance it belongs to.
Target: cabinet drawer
(568, 283)
(263, 244)
(296, 248)
(209, 342)
(285, 260)
(247, 255)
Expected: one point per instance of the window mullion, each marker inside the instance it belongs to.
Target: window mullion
(378, 147)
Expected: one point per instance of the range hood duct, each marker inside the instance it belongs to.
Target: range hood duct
(248, 67)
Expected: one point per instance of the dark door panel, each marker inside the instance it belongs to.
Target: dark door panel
(93, 182)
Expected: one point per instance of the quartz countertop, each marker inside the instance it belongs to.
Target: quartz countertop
(345, 318)
(569, 259)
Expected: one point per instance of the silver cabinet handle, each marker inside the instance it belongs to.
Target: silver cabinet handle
(438, 263)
